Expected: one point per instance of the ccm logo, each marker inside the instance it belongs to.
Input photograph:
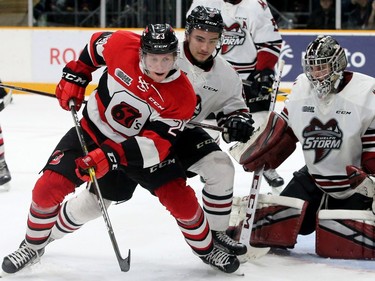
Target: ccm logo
(74, 78)
(344, 112)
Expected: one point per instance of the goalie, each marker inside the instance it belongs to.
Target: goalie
(330, 112)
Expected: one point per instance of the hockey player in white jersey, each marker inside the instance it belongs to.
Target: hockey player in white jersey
(252, 45)
(330, 112)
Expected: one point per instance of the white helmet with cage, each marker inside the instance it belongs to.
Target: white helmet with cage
(324, 64)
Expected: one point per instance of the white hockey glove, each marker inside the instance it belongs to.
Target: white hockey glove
(362, 183)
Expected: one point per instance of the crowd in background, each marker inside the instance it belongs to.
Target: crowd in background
(296, 14)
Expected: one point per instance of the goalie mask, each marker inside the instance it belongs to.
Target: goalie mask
(324, 64)
(158, 39)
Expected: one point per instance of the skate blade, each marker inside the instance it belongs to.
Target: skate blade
(3, 274)
(5, 187)
(253, 253)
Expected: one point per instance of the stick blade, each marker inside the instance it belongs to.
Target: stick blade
(124, 263)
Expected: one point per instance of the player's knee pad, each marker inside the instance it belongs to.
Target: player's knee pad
(179, 199)
(217, 170)
(75, 212)
(84, 207)
(345, 234)
(276, 223)
(51, 189)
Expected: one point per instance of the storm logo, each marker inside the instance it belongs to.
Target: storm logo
(233, 36)
(322, 138)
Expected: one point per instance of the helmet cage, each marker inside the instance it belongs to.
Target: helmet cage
(323, 64)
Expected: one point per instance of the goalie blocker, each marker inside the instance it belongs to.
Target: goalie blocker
(269, 146)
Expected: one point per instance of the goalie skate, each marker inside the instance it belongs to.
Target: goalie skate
(221, 260)
(22, 257)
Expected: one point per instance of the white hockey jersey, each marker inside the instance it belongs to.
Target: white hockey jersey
(334, 132)
(218, 90)
(249, 29)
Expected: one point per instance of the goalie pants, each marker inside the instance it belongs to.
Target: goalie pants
(302, 186)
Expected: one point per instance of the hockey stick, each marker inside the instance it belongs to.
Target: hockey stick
(207, 126)
(255, 186)
(26, 90)
(124, 263)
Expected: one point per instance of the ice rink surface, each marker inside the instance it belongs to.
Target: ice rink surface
(32, 125)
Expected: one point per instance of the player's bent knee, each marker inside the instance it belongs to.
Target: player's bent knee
(218, 171)
(51, 189)
(345, 234)
(84, 207)
(179, 199)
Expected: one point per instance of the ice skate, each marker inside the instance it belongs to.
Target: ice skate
(222, 240)
(273, 178)
(4, 173)
(22, 257)
(221, 260)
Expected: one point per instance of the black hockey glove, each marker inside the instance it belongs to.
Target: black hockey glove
(238, 128)
(262, 81)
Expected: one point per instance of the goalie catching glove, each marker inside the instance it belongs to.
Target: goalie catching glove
(362, 183)
(238, 127)
(76, 76)
(99, 160)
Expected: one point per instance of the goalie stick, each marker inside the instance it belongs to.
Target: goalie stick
(255, 185)
(124, 263)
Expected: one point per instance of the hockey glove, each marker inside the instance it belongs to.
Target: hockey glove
(76, 76)
(362, 183)
(97, 159)
(238, 128)
(262, 81)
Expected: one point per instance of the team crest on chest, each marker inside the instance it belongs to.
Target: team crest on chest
(322, 138)
(233, 36)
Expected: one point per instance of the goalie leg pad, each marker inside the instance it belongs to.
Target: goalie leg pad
(345, 234)
(277, 221)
